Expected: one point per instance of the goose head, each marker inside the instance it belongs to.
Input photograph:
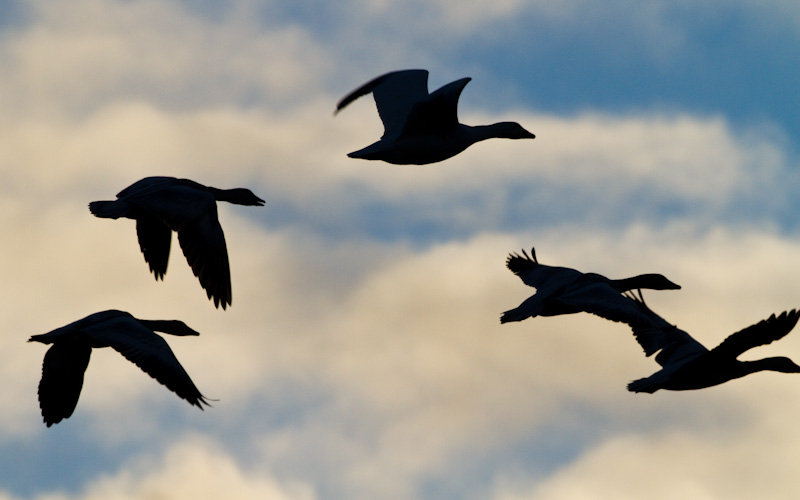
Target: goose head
(511, 130)
(170, 326)
(649, 281)
(779, 364)
(240, 196)
(657, 282)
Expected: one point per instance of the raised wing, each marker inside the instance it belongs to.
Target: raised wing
(762, 333)
(436, 114)
(395, 95)
(547, 280)
(537, 275)
(62, 380)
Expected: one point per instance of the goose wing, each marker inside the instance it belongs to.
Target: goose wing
(146, 185)
(600, 299)
(155, 239)
(152, 354)
(191, 211)
(761, 333)
(655, 334)
(62, 380)
(395, 95)
(203, 244)
(436, 114)
(547, 280)
(538, 275)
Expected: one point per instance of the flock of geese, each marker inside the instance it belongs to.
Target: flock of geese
(685, 363)
(159, 205)
(420, 127)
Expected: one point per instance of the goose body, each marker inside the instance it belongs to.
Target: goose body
(422, 127)
(686, 364)
(71, 346)
(160, 205)
(561, 290)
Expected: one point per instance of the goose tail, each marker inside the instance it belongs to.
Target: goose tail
(517, 314)
(109, 209)
(642, 385)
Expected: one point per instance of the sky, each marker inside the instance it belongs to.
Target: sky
(363, 357)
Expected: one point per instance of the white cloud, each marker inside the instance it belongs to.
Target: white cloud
(362, 363)
(686, 464)
(192, 468)
(78, 57)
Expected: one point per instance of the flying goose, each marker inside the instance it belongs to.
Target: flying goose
(160, 205)
(686, 364)
(561, 290)
(421, 127)
(71, 346)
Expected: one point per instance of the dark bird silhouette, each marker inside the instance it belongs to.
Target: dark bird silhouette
(66, 360)
(561, 290)
(160, 205)
(686, 364)
(422, 128)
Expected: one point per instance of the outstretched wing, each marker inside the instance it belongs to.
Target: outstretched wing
(655, 334)
(597, 298)
(395, 95)
(62, 380)
(762, 333)
(152, 354)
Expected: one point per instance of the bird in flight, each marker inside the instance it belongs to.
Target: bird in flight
(561, 290)
(66, 360)
(160, 205)
(421, 127)
(686, 364)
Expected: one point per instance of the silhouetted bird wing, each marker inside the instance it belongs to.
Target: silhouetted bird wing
(192, 213)
(395, 94)
(146, 185)
(761, 333)
(155, 239)
(549, 283)
(538, 275)
(150, 352)
(62, 380)
(436, 114)
(655, 334)
(203, 244)
(600, 299)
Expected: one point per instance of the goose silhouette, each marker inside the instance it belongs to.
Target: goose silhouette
(561, 290)
(421, 127)
(160, 205)
(687, 365)
(71, 346)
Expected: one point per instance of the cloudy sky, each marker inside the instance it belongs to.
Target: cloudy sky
(363, 357)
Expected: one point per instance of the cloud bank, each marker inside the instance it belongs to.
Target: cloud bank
(363, 355)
